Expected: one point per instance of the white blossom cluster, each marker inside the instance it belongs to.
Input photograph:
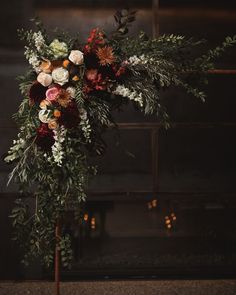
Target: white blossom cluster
(39, 40)
(84, 124)
(57, 148)
(132, 95)
(137, 60)
(32, 57)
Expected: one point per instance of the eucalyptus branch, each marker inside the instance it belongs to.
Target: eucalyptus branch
(21, 162)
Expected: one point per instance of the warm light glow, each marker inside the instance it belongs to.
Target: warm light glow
(169, 226)
(85, 217)
(173, 216)
(149, 205)
(168, 221)
(166, 217)
(154, 203)
(93, 223)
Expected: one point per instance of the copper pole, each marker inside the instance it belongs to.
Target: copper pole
(155, 18)
(155, 164)
(57, 258)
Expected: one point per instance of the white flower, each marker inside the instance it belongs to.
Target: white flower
(44, 79)
(44, 116)
(136, 60)
(126, 92)
(77, 57)
(83, 114)
(71, 91)
(39, 40)
(57, 148)
(86, 128)
(60, 76)
(32, 57)
(33, 60)
(59, 49)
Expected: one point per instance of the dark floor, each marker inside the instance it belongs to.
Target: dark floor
(165, 287)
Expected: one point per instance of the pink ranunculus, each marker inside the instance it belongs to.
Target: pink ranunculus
(52, 93)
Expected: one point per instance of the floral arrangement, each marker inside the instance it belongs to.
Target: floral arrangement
(69, 94)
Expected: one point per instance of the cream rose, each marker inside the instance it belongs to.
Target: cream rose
(44, 79)
(58, 48)
(60, 76)
(44, 116)
(77, 57)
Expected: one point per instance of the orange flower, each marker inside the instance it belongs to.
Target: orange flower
(46, 66)
(57, 113)
(105, 55)
(75, 78)
(52, 124)
(65, 63)
(63, 98)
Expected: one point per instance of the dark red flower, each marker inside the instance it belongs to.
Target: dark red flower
(96, 38)
(37, 92)
(87, 89)
(87, 49)
(44, 137)
(92, 74)
(94, 81)
(70, 116)
(120, 71)
(91, 61)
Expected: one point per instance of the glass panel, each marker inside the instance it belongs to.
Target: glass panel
(167, 235)
(127, 164)
(197, 159)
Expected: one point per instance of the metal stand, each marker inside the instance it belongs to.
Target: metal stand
(57, 258)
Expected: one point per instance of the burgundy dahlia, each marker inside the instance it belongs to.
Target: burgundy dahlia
(37, 92)
(70, 116)
(44, 137)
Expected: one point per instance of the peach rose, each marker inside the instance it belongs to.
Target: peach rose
(45, 66)
(44, 103)
(44, 79)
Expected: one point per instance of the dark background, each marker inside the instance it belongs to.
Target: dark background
(148, 172)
